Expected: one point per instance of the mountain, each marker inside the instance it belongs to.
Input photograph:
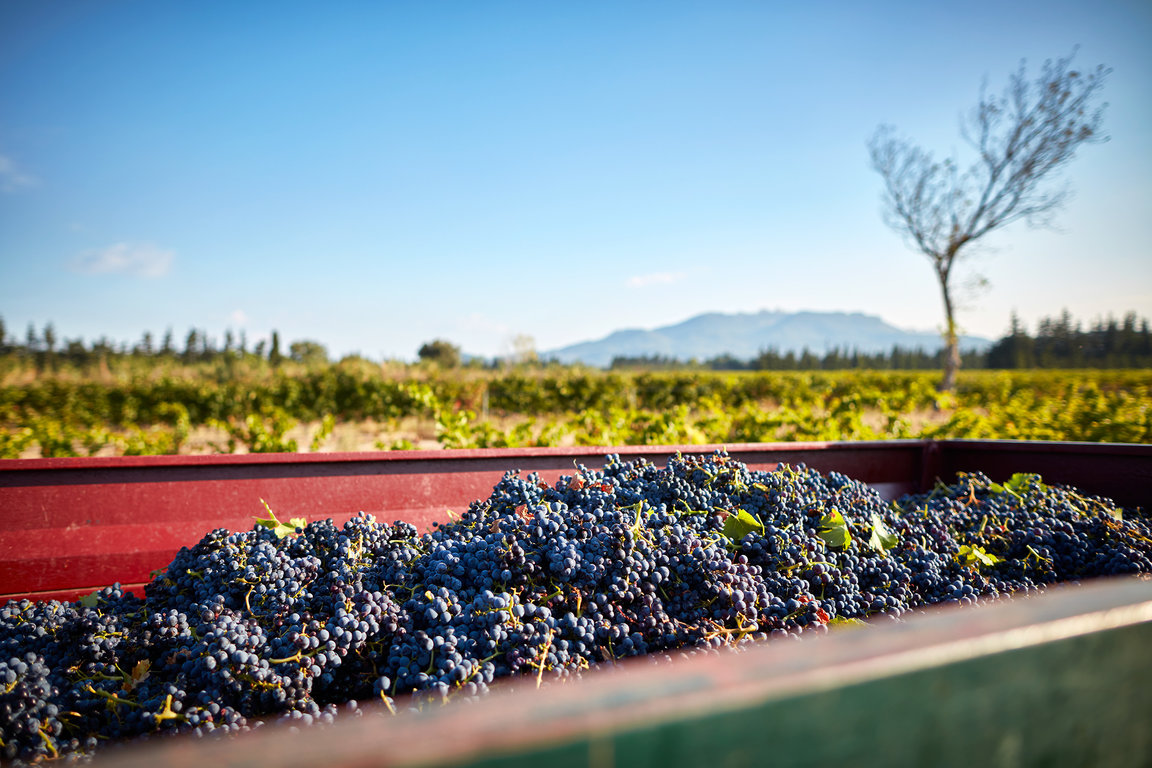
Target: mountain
(745, 335)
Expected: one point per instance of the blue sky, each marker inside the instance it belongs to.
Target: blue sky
(376, 175)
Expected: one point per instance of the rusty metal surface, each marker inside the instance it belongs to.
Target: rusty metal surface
(1059, 679)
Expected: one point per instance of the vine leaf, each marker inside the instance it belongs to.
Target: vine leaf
(90, 601)
(139, 674)
(281, 529)
(1017, 484)
(834, 530)
(969, 555)
(741, 523)
(881, 539)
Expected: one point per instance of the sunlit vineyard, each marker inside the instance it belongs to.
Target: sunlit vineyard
(362, 407)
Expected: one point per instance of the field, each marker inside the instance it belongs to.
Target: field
(359, 406)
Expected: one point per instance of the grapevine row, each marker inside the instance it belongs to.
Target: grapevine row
(60, 417)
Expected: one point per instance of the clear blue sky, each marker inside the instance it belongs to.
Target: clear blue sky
(375, 175)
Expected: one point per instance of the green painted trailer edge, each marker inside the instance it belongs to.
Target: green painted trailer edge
(1063, 678)
(1064, 691)
(1082, 701)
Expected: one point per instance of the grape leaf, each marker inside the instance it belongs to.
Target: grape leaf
(846, 621)
(969, 555)
(741, 523)
(281, 529)
(882, 539)
(834, 530)
(139, 674)
(90, 601)
(1018, 483)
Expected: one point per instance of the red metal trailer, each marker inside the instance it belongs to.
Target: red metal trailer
(1062, 679)
(68, 526)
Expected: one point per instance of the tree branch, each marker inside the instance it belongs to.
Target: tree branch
(1022, 138)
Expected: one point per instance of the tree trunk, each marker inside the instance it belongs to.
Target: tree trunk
(951, 337)
(951, 362)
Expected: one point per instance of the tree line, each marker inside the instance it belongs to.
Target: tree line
(46, 349)
(1059, 342)
(1062, 342)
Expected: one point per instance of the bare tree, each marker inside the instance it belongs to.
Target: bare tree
(1022, 138)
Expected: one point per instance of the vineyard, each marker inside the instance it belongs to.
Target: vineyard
(347, 407)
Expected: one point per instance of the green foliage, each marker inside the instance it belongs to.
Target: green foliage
(280, 529)
(308, 353)
(443, 353)
(1018, 484)
(397, 445)
(881, 539)
(740, 524)
(327, 424)
(834, 530)
(64, 416)
(262, 432)
(275, 357)
(13, 443)
(976, 556)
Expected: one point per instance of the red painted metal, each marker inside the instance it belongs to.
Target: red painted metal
(1122, 472)
(68, 526)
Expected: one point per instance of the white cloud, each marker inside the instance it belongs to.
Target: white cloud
(12, 177)
(140, 259)
(238, 317)
(656, 278)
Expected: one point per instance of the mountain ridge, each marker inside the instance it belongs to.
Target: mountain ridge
(744, 335)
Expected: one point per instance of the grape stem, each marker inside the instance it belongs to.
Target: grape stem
(544, 657)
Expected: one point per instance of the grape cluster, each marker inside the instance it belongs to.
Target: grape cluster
(534, 584)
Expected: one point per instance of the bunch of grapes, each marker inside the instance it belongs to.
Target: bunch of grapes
(304, 623)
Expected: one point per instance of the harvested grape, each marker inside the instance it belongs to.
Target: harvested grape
(301, 622)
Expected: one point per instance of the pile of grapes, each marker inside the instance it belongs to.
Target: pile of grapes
(298, 622)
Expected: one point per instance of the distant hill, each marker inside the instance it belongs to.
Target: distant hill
(745, 335)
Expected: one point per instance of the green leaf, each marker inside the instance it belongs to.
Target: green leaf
(280, 529)
(1017, 484)
(846, 622)
(882, 539)
(969, 555)
(741, 523)
(90, 601)
(834, 530)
